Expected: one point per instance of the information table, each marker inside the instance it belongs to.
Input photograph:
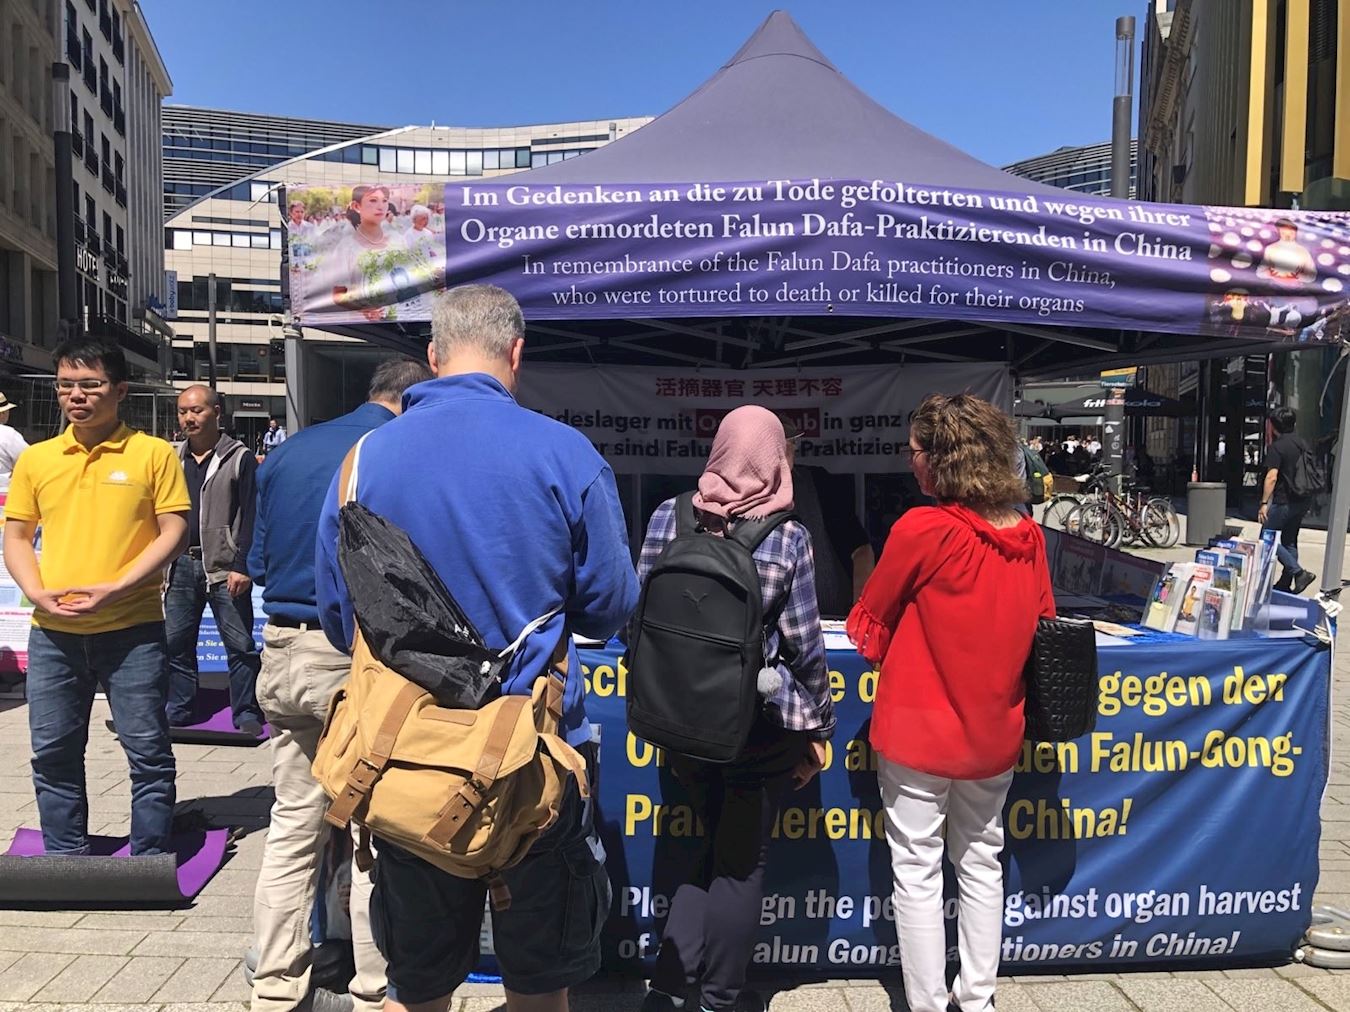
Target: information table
(1183, 830)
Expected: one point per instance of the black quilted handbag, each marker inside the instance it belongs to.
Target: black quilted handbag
(1061, 678)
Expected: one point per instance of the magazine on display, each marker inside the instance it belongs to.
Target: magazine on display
(1216, 614)
(1188, 616)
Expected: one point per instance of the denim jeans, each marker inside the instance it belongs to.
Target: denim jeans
(1287, 518)
(64, 670)
(184, 602)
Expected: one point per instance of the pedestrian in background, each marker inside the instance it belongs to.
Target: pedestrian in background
(213, 569)
(300, 673)
(947, 722)
(1283, 503)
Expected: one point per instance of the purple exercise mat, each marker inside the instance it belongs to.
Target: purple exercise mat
(221, 720)
(199, 854)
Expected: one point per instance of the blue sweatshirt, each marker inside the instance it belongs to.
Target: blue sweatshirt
(517, 513)
(292, 482)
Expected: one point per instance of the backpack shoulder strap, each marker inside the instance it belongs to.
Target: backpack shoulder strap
(750, 534)
(350, 473)
(686, 521)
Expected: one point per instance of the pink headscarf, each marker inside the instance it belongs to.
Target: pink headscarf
(747, 474)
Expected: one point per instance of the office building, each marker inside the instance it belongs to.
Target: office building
(1085, 169)
(205, 149)
(235, 234)
(1248, 104)
(28, 278)
(113, 84)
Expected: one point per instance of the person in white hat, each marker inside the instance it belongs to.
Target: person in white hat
(11, 443)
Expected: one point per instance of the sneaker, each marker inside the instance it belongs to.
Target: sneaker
(323, 1000)
(250, 726)
(1285, 581)
(1303, 579)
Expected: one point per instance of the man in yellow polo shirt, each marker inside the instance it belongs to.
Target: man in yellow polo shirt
(112, 504)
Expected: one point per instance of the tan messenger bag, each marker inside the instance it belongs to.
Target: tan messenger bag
(468, 791)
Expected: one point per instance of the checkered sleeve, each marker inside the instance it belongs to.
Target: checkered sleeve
(660, 532)
(803, 703)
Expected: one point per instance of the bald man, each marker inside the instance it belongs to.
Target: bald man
(222, 480)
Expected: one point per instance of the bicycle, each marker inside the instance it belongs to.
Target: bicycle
(1108, 518)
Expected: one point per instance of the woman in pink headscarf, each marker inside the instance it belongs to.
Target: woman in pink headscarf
(714, 917)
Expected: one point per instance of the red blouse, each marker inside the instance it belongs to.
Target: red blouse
(950, 613)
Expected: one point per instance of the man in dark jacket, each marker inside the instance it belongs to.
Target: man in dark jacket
(1282, 508)
(220, 473)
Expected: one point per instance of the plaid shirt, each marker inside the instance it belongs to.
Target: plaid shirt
(786, 568)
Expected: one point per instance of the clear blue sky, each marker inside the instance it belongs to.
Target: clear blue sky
(1003, 79)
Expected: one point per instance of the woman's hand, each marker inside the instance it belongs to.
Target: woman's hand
(812, 763)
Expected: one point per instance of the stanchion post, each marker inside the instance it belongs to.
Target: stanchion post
(1338, 514)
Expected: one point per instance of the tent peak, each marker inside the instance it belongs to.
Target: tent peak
(779, 35)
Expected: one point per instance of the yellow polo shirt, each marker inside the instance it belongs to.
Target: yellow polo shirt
(97, 509)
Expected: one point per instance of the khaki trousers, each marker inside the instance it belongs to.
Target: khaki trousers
(300, 673)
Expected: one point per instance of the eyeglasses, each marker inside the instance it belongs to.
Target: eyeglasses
(85, 386)
(910, 452)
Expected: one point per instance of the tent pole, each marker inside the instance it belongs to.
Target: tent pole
(1338, 514)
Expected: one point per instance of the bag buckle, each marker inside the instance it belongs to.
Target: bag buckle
(363, 775)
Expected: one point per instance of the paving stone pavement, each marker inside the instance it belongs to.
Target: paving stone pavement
(190, 960)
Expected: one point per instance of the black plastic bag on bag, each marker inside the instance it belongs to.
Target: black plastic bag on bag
(409, 619)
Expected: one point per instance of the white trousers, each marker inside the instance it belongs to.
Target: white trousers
(917, 807)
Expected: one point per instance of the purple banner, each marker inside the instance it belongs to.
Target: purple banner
(877, 248)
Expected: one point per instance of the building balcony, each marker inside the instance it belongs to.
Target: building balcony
(105, 101)
(120, 120)
(91, 159)
(79, 229)
(108, 183)
(74, 55)
(146, 346)
(77, 145)
(93, 241)
(121, 193)
(90, 74)
(119, 50)
(105, 24)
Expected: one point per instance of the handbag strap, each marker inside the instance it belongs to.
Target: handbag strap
(350, 473)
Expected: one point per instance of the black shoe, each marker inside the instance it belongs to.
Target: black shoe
(1284, 582)
(750, 1001)
(1303, 579)
(250, 726)
(659, 1001)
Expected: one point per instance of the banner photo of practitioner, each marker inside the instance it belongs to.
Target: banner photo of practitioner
(366, 253)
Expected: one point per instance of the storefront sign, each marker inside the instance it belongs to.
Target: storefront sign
(781, 247)
(662, 421)
(1183, 830)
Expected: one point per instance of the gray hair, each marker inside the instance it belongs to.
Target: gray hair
(484, 318)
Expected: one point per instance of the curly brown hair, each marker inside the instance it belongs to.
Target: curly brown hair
(971, 446)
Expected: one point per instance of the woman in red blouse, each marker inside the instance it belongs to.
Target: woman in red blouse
(949, 615)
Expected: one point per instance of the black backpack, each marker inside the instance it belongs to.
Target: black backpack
(699, 640)
(1306, 477)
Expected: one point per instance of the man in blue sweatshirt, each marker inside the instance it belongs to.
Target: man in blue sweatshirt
(300, 673)
(519, 515)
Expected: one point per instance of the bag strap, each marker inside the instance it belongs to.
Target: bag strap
(350, 472)
(686, 520)
(465, 801)
(750, 534)
(370, 765)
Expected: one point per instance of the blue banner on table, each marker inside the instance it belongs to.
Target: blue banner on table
(844, 247)
(1184, 829)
